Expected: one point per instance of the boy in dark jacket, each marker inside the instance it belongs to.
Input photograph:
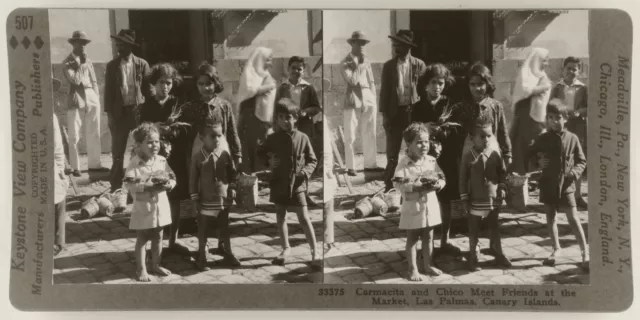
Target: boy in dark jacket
(560, 156)
(292, 162)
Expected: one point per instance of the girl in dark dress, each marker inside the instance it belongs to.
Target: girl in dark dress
(437, 110)
(162, 110)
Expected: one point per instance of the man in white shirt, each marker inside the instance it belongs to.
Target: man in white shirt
(83, 103)
(398, 94)
(126, 87)
(360, 104)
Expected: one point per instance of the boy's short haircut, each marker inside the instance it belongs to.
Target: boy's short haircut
(295, 59)
(143, 131)
(209, 124)
(555, 106)
(414, 130)
(484, 120)
(571, 60)
(286, 106)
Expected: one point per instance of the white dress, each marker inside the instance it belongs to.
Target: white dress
(420, 209)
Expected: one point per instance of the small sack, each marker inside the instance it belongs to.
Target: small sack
(518, 193)
(247, 196)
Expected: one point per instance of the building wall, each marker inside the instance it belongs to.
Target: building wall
(98, 26)
(565, 34)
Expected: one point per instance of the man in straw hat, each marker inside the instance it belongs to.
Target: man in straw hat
(125, 89)
(83, 103)
(398, 92)
(359, 104)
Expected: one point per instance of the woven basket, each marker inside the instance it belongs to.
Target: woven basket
(119, 199)
(186, 209)
(518, 192)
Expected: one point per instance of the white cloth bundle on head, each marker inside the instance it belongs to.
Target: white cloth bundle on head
(531, 75)
(253, 77)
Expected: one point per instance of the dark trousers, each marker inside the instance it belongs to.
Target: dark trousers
(60, 223)
(120, 129)
(394, 129)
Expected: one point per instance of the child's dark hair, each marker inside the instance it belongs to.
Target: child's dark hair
(143, 131)
(480, 70)
(207, 124)
(571, 60)
(286, 106)
(164, 70)
(414, 130)
(210, 71)
(485, 119)
(436, 70)
(295, 59)
(555, 106)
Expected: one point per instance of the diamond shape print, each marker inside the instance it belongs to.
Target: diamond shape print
(26, 43)
(38, 42)
(13, 42)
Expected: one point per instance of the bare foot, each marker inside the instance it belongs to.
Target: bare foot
(142, 276)
(433, 271)
(415, 276)
(551, 260)
(160, 271)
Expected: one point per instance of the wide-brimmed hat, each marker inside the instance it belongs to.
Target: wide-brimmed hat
(404, 37)
(79, 35)
(358, 36)
(127, 36)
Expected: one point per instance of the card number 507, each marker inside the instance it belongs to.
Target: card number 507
(24, 22)
(331, 292)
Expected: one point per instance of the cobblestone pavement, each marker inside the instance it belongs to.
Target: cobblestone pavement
(372, 250)
(101, 249)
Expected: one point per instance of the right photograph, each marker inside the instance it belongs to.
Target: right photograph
(455, 146)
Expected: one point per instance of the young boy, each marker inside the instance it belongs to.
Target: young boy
(212, 184)
(303, 94)
(292, 161)
(560, 156)
(482, 188)
(573, 94)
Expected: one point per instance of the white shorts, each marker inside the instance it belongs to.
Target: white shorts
(479, 213)
(210, 213)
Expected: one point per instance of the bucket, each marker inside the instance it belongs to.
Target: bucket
(393, 199)
(105, 207)
(119, 199)
(379, 205)
(89, 209)
(364, 208)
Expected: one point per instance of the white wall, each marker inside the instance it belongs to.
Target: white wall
(62, 23)
(338, 25)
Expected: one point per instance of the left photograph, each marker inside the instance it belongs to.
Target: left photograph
(188, 146)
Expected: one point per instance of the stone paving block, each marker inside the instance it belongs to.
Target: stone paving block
(526, 263)
(338, 261)
(388, 277)
(92, 261)
(66, 262)
(346, 270)
(275, 269)
(399, 266)
(529, 249)
(200, 277)
(471, 278)
(545, 270)
(333, 279)
(490, 272)
(506, 279)
(356, 278)
(512, 242)
(389, 256)
(365, 260)
(235, 279)
(114, 277)
(86, 277)
(376, 269)
(126, 266)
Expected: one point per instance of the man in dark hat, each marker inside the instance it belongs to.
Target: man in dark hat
(359, 104)
(398, 93)
(83, 103)
(125, 89)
